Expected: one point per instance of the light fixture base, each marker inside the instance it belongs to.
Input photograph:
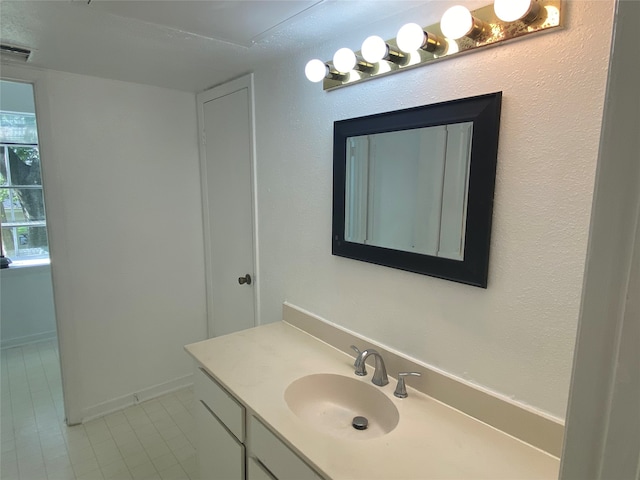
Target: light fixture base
(490, 30)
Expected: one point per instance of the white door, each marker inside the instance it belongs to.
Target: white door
(226, 155)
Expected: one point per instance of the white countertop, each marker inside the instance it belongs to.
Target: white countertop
(431, 441)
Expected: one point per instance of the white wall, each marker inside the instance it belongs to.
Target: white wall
(26, 305)
(517, 336)
(121, 178)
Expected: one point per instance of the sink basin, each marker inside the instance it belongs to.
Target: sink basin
(329, 403)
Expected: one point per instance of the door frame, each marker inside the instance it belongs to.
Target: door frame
(241, 83)
(602, 440)
(57, 236)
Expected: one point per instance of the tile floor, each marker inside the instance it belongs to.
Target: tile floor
(152, 440)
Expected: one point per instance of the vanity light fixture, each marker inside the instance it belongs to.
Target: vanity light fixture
(344, 60)
(514, 10)
(317, 71)
(457, 22)
(412, 37)
(374, 49)
(459, 31)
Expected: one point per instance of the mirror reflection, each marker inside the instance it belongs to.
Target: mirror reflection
(407, 190)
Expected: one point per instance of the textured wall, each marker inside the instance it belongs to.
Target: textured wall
(516, 337)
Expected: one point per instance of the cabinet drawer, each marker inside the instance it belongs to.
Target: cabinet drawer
(220, 455)
(276, 456)
(255, 471)
(221, 403)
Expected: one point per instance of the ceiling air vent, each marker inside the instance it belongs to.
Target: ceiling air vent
(14, 52)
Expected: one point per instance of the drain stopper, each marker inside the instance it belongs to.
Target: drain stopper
(360, 423)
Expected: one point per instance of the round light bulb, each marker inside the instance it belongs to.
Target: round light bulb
(315, 70)
(456, 22)
(511, 10)
(410, 37)
(344, 60)
(374, 49)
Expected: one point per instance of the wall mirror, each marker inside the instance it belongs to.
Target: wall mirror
(413, 189)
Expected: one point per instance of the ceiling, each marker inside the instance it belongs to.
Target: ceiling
(239, 22)
(183, 44)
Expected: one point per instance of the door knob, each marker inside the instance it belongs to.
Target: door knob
(246, 279)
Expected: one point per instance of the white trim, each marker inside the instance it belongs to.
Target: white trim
(602, 439)
(204, 194)
(254, 192)
(201, 98)
(133, 398)
(27, 339)
(57, 233)
(244, 82)
(22, 269)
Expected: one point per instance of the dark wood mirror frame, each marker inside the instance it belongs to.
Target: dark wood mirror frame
(484, 112)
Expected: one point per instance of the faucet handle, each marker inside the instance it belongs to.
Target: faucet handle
(358, 352)
(401, 389)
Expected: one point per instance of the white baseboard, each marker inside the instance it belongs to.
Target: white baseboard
(116, 404)
(27, 339)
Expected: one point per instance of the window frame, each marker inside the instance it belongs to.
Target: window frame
(13, 225)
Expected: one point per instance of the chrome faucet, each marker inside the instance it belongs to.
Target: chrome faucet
(380, 375)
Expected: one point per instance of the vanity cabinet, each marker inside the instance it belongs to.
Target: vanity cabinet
(233, 444)
(218, 452)
(255, 471)
(270, 452)
(220, 430)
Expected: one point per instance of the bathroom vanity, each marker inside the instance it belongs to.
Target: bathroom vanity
(276, 401)
(234, 444)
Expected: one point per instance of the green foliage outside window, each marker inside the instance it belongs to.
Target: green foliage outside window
(21, 197)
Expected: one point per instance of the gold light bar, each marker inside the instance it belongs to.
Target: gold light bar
(547, 15)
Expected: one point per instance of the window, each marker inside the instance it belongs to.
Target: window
(22, 213)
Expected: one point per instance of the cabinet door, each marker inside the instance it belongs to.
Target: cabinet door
(223, 405)
(220, 455)
(276, 456)
(255, 471)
